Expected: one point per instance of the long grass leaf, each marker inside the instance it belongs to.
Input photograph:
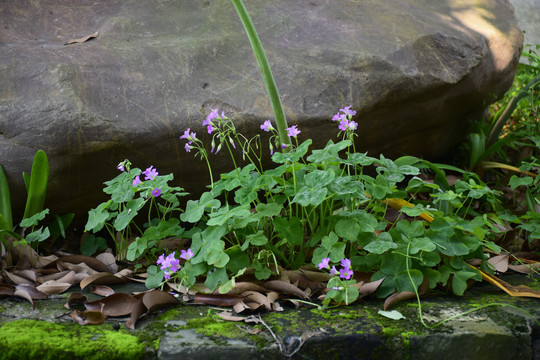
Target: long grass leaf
(39, 178)
(5, 202)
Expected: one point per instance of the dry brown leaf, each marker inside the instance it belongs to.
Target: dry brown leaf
(217, 299)
(240, 307)
(28, 274)
(18, 280)
(101, 290)
(525, 268)
(138, 310)
(370, 287)
(253, 305)
(500, 262)
(272, 296)
(256, 297)
(397, 297)
(53, 287)
(89, 317)
(285, 288)
(109, 261)
(87, 260)
(53, 276)
(228, 316)
(82, 39)
(75, 298)
(81, 268)
(156, 299)
(102, 278)
(6, 290)
(46, 260)
(119, 304)
(243, 286)
(32, 291)
(517, 291)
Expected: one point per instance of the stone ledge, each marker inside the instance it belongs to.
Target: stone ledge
(195, 332)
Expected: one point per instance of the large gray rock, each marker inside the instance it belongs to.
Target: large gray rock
(415, 70)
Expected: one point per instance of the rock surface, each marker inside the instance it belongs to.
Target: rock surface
(528, 16)
(415, 70)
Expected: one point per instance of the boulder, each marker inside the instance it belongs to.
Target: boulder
(416, 71)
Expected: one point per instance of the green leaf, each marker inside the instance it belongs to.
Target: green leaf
(337, 252)
(294, 156)
(5, 202)
(516, 181)
(290, 229)
(329, 153)
(310, 196)
(403, 281)
(215, 278)
(348, 229)
(39, 178)
(98, 217)
(155, 277)
(329, 240)
(268, 210)
(381, 244)
(91, 245)
(35, 219)
(392, 314)
(38, 235)
(459, 281)
(59, 225)
(130, 211)
(422, 244)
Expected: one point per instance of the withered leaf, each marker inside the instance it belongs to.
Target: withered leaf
(6, 290)
(517, 291)
(88, 260)
(217, 299)
(500, 262)
(82, 39)
(102, 278)
(109, 261)
(228, 316)
(258, 298)
(369, 288)
(74, 299)
(119, 304)
(138, 310)
(397, 297)
(243, 286)
(18, 280)
(285, 288)
(52, 287)
(155, 299)
(88, 317)
(31, 290)
(525, 268)
(101, 290)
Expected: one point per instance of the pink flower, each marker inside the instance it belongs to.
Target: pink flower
(136, 181)
(292, 131)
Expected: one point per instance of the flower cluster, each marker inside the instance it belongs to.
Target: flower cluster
(345, 272)
(344, 117)
(149, 174)
(190, 137)
(170, 264)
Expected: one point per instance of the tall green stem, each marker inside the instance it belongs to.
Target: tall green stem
(268, 78)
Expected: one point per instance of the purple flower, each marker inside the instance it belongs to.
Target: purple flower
(175, 265)
(283, 146)
(343, 125)
(120, 166)
(346, 263)
(211, 116)
(333, 271)
(189, 136)
(347, 111)
(150, 173)
(267, 126)
(167, 275)
(324, 264)
(353, 125)
(170, 263)
(186, 255)
(187, 147)
(345, 273)
(292, 131)
(339, 117)
(136, 181)
(156, 192)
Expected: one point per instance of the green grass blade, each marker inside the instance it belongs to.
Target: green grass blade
(268, 78)
(39, 178)
(5, 202)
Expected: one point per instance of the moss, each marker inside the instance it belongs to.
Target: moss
(33, 339)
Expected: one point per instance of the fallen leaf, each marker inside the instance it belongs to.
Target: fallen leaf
(89, 317)
(393, 314)
(75, 298)
(228, 316)
(517, 291)
(52, 287)
(155, 299)
(109, 261)
(138, 310)
(256, 297)
(525, 268)
(18, 280)
(119, 304)
(32, 291)
(82, 39)
(28, 274)
(102, 278)
(87, 260)
(369, 288)
(101, 290)
(285, 288)
(81, 268)
(217, 299)
(243, 286)
(397, 297)
(6, 290)
(500, 262)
